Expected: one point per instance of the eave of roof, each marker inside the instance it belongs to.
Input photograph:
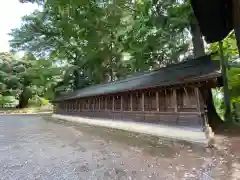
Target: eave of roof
(189, 71)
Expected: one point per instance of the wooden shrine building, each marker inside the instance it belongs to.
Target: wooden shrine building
(172, 96)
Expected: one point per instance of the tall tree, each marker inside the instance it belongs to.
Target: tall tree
(236, 22)
(22, 78)
(95, 37)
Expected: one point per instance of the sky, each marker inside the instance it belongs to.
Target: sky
(11, 12)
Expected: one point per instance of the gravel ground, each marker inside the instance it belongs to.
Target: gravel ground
(33, 148)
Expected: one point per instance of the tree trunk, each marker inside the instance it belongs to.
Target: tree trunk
(198, 45)
(214, 119)
(237, 34)
(236, 22)
(76, 81)
(198, 48)
(23, 101)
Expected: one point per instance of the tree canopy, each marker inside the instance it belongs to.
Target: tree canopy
(27, 76)
(89, 42)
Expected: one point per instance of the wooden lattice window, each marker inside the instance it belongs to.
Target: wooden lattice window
(102, 103)
(126, 102)
(69, 106)
(166, 100)
(91, 103)
(186, 98)
(96, 103)
(117, 103)
(162, 104)
(65, 106)
(150, 101)
(109, 102)
(169, 98)
(137, 101)
(77, 105)
(74, 105)
(85, 104)
(80, 104)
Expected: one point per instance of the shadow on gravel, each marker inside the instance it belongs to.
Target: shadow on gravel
(220, 163)
(157, 146)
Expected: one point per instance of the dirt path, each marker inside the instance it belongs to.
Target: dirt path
(33, 148)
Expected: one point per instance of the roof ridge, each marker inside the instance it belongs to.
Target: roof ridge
(193, 61)
(158, 77)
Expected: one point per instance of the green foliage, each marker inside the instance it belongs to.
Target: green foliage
(230, 50)
(91, 38)
(84, 42)
(26, 76)
(6, 100)
(234, 84)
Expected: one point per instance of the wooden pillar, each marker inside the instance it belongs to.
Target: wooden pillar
(131, 107)
(99, 103)
(106, 103)
(87, 104)
(196, 89)
(93, 104)
(188, 97)
(121, 103)
(143, 102)
(157, 100)
(165, 100)
(113, 102)
(175, 100)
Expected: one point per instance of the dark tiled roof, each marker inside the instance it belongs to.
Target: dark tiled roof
(188, 71)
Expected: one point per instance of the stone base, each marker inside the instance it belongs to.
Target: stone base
(193, 135)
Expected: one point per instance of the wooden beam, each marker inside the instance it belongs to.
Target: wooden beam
(143, 102)
(113, 103)
(197, 93)
(175, 100)
(93, 103)
(121, 103)
(99, 103)
(165, 103)
(131, 107)
(188, 98)
(157, 100)
(88, 104)
(106, 103)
